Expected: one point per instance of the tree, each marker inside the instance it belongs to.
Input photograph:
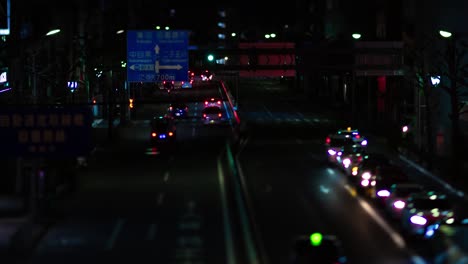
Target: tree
(454, 82)
(419, 72)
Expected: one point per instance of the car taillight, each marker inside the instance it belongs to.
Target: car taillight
(204, 115)
(154, 134)
(327, 140)
(358, 136)
(359, 158)
(219, 102)
(219, 115)
(170, 134)
(206, 102)
(170, 108)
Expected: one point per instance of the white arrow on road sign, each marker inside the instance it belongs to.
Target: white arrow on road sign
(142, 67)
(166, 67)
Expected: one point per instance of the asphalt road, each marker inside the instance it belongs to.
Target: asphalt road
(136, 204)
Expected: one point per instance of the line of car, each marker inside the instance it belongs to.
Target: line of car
(419, 210)
(164, 129)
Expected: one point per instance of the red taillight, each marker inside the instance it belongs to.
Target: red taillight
(328, 140)
(164, 82)
(358, 136)
(219, 102)
(206, 102)
(154, 134)
(204, 115)
(359, 158)
(170, 108)
(219, 115)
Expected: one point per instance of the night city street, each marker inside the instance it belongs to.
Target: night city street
(316, 131)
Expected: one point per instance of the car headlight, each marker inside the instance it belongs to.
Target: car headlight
(366, 175)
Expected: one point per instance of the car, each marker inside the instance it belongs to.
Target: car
(318, 248)
(365, 175)
(354, 134)
(163, 130)
(399, 194)
(213, 101)
(424, 209)
(334, 147)
(186, 84)
(385, 177)
(350, 158)
(212, 115)
(168, 85)
(198, 75)
(178, 110)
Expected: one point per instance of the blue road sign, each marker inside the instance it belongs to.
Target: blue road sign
(157, 55)
(45, 132)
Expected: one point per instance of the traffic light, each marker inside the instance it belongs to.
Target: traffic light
(130, 103)
(316, 239)
(210, 57)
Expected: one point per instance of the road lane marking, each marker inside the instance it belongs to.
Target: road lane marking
(160, 199)
(395, 236)
(230, 255)
(151, 232)
(268, 111)
(166, 176)
(115, 233)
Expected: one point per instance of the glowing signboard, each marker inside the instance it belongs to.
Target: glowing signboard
(45, 131)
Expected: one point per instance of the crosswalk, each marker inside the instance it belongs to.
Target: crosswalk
(285, 119)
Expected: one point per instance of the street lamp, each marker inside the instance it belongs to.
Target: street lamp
(53, 32)
(356, 35)
(445, 34)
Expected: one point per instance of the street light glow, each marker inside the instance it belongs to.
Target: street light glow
(356, 36)
(445, 34)
(120, 31)
(53, 32)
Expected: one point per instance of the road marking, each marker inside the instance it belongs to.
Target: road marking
(152, 232)
(268, 111)
(395, 236)
(115, 233)
(351, 190)
(417, 260)
(230, 255)
(166, 176)
(160, 199)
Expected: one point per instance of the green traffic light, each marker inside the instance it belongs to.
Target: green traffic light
(316, 239)
(210, 57)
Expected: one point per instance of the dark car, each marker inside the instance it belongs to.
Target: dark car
(163, 130)
(385, 177)
(178, 110)
(365, 176)
(318, 248)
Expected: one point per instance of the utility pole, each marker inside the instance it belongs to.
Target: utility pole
(110, 101)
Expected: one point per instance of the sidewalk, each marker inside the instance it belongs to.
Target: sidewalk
(18, 234)
(435, 173)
